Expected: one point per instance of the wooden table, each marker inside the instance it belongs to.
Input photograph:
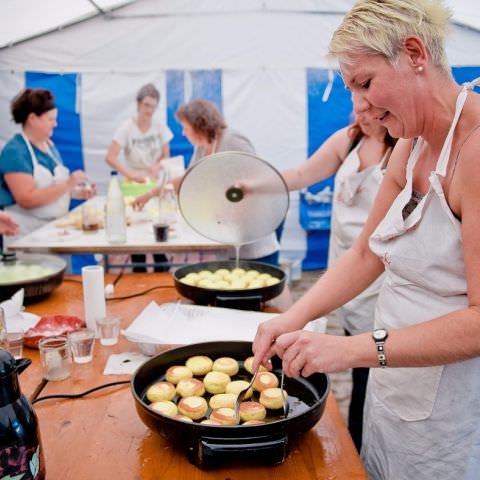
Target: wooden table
(101, 436)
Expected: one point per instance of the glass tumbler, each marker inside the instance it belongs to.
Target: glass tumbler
(56, 357)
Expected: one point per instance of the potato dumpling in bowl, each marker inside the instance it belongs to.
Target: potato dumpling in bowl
(178, 372)
(199, 364)
(238, 284)
(226, 365)
(165, 407)
(161, 391)
(216, 382)
(192, 276)
(205, 274)
(248, 363)
(223, 272)
(189, 387)
(271, 281)
(256, 284)
(206, 283)
(222, 400)
(237, 386)
(193, 407)
(224, 416)
(265, 380)
(271, 398)
(252, 411)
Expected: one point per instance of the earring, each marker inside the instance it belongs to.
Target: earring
(419, 69)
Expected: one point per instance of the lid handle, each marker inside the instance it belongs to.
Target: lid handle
(234, 194)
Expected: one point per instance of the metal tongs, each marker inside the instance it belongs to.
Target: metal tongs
(285, 404)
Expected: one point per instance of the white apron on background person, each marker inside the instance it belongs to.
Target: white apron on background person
(354, 194)
(422, 423)
(29, 219)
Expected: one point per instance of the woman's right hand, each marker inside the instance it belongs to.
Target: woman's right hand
(267, 333)
(8, 226)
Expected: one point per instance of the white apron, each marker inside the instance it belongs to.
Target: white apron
(29, 219)
(422, 423)
(354, 194)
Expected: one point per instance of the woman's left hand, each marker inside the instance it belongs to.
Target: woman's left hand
(84, 191)
(155, 169)
(304, 353)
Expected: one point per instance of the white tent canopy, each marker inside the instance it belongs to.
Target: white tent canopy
(263, 62)
(188, 34)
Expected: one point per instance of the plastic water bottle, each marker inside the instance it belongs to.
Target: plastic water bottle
(115, 219)
(168, 205)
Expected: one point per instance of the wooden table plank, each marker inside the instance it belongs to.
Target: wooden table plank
(101, 436)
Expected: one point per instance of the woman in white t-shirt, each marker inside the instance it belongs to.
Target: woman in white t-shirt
(143, 139)
(144, 142)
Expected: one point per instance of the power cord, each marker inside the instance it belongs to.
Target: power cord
(139, 294)
(79, 395)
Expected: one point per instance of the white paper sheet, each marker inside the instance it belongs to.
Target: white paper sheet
(124, 363)
(16, 319)
(175, 323)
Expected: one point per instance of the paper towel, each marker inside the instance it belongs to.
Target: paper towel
(93, 295)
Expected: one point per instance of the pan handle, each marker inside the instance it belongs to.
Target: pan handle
(246, 302)
(210, 451)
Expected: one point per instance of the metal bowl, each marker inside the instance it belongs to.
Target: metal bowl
(37, 288)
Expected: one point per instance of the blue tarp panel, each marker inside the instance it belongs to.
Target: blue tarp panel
(325, 117)
(205, 84)
(67, 136)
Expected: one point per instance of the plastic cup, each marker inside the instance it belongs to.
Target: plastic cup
(160, 231)
(108, 328)
(90, 218)
(15, 344)
(55, 357)
(81, 343)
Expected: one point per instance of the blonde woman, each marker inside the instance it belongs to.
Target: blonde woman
(422, 411)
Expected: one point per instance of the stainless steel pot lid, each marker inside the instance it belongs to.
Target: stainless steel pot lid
(233, 197)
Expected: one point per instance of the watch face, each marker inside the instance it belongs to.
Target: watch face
(380, 334)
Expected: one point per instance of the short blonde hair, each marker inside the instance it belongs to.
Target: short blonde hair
(379, 27)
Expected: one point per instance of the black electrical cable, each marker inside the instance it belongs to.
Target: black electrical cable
(139, 294)
(79, 395)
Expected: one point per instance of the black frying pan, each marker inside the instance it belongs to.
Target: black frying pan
(241, 299)
(209, 445)
(37, 288)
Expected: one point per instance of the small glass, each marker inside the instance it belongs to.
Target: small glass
(90, 218)
(108, 328)
(81, 343)
(56, 357)
(15, 344)
(160, 230)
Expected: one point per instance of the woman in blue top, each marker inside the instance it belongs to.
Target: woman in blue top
(35, 186)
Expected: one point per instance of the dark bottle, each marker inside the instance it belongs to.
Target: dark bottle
(21, 456)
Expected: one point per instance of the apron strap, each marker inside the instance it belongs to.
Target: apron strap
(35, 162)
(442, 163)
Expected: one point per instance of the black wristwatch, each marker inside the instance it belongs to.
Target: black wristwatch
(380, 335)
